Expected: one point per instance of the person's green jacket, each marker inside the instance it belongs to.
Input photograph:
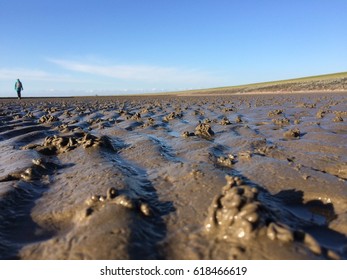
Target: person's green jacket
(18, 85)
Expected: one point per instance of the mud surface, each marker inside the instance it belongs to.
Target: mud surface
(218, 177)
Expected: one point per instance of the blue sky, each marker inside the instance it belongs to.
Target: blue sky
(114, 46)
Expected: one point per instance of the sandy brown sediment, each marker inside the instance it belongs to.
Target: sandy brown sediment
(169, 177)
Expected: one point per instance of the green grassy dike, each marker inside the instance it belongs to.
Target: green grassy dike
(327, 82)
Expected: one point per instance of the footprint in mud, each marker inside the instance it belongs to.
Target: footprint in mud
(241, 216)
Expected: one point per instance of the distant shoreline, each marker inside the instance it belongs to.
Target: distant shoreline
(196, 94)
(335, 83)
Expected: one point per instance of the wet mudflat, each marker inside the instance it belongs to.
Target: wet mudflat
(168, 177)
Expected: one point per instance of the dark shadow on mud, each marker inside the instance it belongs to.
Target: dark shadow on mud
(314, 211)
(134, 125)
(17, 229)
(22, 131)
(314, 217)
(289, 208)
(146, 231)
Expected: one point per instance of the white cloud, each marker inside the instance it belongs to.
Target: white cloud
(142, 73)
(32, 74)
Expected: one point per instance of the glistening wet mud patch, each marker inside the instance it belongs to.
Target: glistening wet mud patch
(164, 149)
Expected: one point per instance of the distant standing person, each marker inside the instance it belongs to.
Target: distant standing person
(18, 87)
